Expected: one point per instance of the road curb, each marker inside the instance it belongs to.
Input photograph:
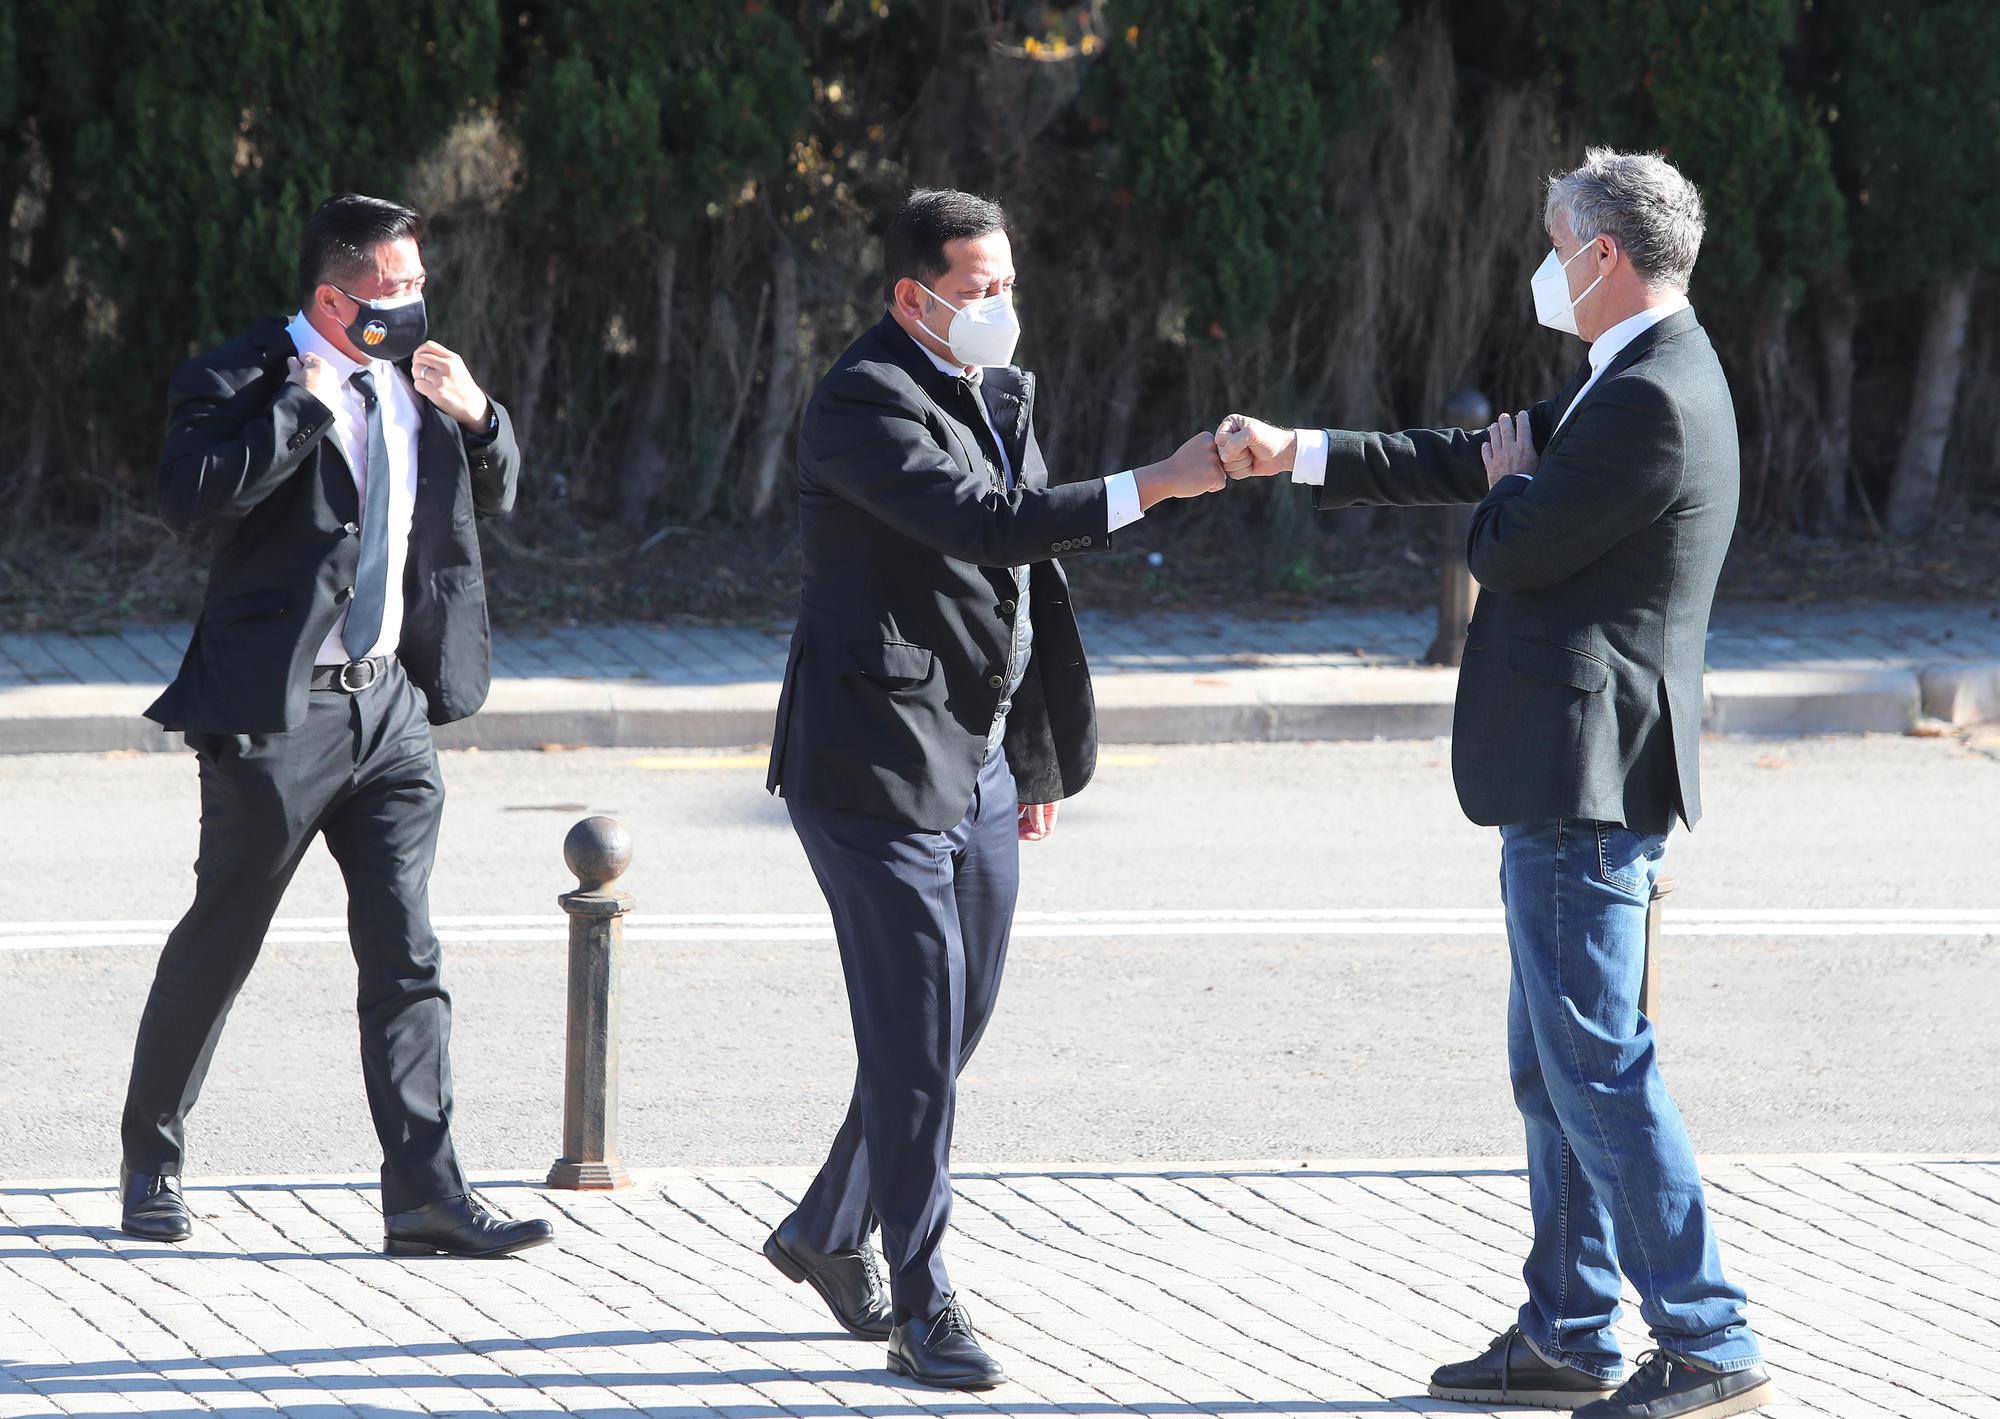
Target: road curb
(1279, 704)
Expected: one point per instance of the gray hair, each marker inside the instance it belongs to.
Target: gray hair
(1642, 201)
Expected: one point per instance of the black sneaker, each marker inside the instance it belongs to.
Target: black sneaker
(1511, 1372)
(1669, 1387)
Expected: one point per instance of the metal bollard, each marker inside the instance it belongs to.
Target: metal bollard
(1649, 984)
(1470, 410)
(598, 850)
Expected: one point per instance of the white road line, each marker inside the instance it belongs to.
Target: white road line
(1725, 923)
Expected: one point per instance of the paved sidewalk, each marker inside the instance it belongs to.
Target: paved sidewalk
(1172, 677)
(1234, 1290)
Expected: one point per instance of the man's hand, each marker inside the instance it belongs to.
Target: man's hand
(1509, 448)
(443, 379)
(316, 377)
(1191, 470)
(1251, 448)
(1036, 821)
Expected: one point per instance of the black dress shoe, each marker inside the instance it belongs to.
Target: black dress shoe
(458, 1226)
(1510, 1372)
(943, 1352)
(1668, 1387)
(154, 1207)
(850, 1282)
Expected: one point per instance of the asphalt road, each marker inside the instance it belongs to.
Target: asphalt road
(1116, 1039)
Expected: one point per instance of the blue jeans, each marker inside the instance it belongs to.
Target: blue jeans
(1611, 1171)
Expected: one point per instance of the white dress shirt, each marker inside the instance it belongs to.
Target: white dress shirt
(1309, 466)
(1121, 490)
(1606, 347)
(401, 419)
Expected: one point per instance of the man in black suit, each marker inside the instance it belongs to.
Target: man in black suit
(936, 708)
(1604, 516)
(334, 466)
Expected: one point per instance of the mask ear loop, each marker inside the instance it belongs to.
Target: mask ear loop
(1579, 300)
(944, 340)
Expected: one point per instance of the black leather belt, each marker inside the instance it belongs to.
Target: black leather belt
(351, 678)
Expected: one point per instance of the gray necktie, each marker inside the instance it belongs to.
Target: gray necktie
(371, 581)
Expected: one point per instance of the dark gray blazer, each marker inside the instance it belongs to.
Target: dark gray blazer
(1580, 695)
(906, 610)
(248, 466)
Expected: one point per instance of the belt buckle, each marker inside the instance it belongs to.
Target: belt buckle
(374, 672)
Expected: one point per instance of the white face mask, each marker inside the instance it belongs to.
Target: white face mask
(983, 332)
(1553, 307)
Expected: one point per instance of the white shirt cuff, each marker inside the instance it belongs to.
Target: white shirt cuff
(1121, 501)
(1309, 466)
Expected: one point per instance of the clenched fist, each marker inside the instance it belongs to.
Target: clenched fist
(1188, 472)
(442, 378)
(1251, 448)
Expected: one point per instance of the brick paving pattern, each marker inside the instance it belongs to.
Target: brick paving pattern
(1323, 1291)
(1742, 638)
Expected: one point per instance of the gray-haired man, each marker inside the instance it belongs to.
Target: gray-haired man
(1604, 516)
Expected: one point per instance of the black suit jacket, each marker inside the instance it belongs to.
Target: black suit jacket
(1580, 694)
(906, 610)
(249, 465)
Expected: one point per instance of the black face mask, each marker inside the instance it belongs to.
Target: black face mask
(388, 330)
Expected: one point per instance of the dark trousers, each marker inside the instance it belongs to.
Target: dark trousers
(361, 769)
(923, 920)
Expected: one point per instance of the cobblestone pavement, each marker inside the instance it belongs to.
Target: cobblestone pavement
(1323, 1290)
(1742, 638)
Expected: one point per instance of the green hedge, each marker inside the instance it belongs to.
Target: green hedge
(653, 219)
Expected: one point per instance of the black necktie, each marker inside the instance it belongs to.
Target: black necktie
(371, 581)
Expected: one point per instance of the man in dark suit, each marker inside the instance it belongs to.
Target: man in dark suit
(1604, 516)
(334, 466)
(936, 708)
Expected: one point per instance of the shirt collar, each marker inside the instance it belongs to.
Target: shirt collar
(1604, 349)
(307, 339)
(947, 367)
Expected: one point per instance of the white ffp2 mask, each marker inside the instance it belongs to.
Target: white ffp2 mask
(1553, 307)
(983, 332)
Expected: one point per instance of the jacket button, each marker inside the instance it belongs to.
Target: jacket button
(343, 596)
(998, 682)
(1006, 608)
(1085, 542)
(352, 529)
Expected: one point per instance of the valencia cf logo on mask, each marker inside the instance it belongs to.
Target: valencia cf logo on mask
(374, 333)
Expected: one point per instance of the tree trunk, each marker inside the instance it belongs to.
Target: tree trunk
(1933, 400)
(645, 439)
(780, 381)
(535, 365)
(1839, 312)
(742, 376)
(1121, 406)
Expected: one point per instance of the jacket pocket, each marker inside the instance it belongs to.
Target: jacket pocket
(267, 601)
(894, 662)
(1557, 665)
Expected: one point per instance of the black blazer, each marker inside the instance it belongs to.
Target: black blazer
(249, 466)
(1580, 695)
(906, 609)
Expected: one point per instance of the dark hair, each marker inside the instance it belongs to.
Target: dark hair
(932, 216)
(338, 245)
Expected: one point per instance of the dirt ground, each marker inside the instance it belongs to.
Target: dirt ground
(549, 570)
